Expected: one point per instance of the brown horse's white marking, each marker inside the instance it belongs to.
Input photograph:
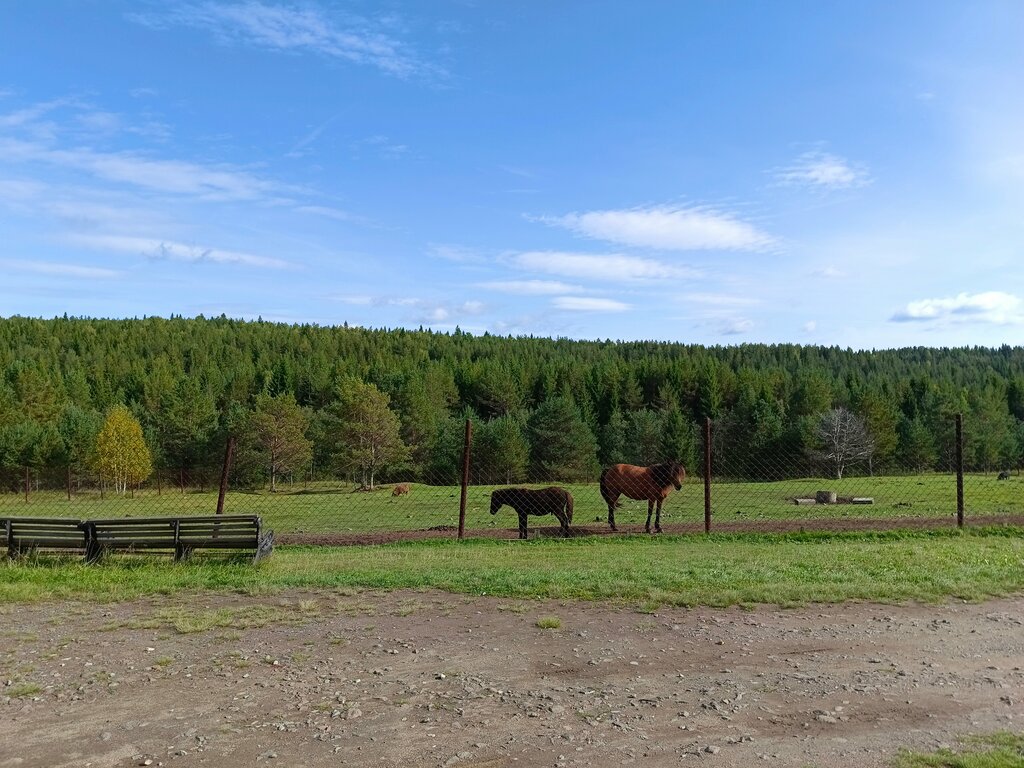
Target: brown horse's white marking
(652, 484)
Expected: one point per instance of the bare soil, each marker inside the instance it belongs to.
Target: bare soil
(824, 524)
(431, 679)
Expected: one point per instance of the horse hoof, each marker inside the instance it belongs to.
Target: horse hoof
(657, 530)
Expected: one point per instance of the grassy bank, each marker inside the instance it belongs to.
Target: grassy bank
(682, 570)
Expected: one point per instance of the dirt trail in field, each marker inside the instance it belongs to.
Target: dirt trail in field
(430, 679)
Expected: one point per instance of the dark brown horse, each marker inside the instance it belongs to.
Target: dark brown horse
(548, 501)
(652, 484)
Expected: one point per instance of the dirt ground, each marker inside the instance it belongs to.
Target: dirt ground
(538, 528)
(431, 679)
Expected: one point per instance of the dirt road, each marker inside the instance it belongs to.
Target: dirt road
(430, 679)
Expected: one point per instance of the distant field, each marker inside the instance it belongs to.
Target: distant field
(334, 508)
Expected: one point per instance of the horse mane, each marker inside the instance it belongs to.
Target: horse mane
(666, 472)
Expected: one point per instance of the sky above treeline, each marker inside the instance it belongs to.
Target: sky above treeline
(706, 172)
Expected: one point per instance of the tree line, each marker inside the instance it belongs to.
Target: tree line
(377, 405)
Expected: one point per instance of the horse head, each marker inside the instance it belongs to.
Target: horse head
(677, 473)
(496, 503)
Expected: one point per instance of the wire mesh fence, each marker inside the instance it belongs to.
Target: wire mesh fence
(730, 483)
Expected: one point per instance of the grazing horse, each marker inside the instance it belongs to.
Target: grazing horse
(400, 490)
(652, 484)
(549, 501)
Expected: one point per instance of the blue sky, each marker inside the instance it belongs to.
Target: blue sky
(713, 172)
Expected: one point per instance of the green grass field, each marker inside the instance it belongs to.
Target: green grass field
(336, 508)
(648, 572)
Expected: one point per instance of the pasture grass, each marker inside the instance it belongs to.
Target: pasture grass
(1000, 750)
(648, 572)
(338, 508)
(331, 507)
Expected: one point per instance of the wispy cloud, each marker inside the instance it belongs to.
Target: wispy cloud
(425, 311)
(383, 146)
(305, 29)
(168, 176)
(53, 269)
(735, 326)
(830, 272)
(823, 171)
(531, 287)
(589, 304)
(609, 268)
(667, 228)
(992, 307)
(457, 253)
(154, 248)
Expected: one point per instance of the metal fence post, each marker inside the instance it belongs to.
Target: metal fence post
(228, 451)
(960, 470)
(465, 478)
(707, 475)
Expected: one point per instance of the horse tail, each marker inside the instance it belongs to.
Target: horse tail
(568, 506)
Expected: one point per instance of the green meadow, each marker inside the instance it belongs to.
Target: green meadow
(717, 570)
(331, 507)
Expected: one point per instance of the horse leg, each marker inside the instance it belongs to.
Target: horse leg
(650, 511)
(563, 520)
(522, 525)
(657, 519)
(610, 498)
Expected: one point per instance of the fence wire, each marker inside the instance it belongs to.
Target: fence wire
(751, 487)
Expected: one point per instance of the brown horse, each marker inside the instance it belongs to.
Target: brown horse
(548, 501)
(640, 483)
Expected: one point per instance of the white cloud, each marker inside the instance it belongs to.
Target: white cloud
(822, 170)
(830, 272)
(154, 248)
(304, 29)
(667, 228)
(810, 326)
(530, 287)
(994, 307)
(603, 267)
(170, 176)
(60, 270)
(736, 326)
(588, 304)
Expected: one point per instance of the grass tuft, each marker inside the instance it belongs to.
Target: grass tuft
(999, 750)
(549, 622)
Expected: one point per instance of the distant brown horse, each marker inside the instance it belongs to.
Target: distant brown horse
(640, 483)
(548, 501)
(400, 490)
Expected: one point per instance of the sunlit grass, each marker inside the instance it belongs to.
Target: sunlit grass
(675, 570)
(337, 508)
(1001, 750)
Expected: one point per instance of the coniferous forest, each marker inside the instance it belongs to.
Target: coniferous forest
(132, 399)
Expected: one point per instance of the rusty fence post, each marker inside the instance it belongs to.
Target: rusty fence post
(707, 475)
(224, 474)
(465, 478)
(960, 470)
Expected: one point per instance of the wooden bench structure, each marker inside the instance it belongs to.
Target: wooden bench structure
(27, 534)
(180, 535)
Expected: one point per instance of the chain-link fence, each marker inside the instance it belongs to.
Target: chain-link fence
(732, 483)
